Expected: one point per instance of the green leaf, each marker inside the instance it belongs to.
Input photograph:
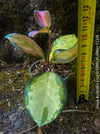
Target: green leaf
(24, 43)
(64, 49)
(45, 96)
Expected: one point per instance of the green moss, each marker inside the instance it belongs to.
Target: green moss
(12, 83)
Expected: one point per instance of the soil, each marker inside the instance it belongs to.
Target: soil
(14, 118)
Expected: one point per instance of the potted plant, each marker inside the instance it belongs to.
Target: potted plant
(45, 92)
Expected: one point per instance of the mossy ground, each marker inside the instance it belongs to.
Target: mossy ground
(12, 82)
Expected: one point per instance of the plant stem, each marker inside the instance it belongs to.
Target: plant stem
(40, 131)
(49, 46)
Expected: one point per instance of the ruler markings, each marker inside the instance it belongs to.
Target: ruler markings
(86, 18)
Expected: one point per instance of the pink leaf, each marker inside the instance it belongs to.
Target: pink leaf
(42, 18)
(32, 33)
(26, 44)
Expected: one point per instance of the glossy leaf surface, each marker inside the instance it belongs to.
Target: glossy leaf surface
(24, 43)
(42, 18)
(64, 49)
(44, 30)
(45, 96)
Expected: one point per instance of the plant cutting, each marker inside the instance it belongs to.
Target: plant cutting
(45, 92)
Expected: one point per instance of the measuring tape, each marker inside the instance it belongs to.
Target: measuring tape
(86, 19)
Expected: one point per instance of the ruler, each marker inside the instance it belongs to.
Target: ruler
(86, 20)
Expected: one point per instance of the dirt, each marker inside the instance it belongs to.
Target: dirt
(14, 118)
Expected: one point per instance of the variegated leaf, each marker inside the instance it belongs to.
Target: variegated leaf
(64, 49)
(24, 43)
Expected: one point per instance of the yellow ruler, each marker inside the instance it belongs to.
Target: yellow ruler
(86, 19)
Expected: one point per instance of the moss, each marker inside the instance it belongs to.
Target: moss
(12, 83)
